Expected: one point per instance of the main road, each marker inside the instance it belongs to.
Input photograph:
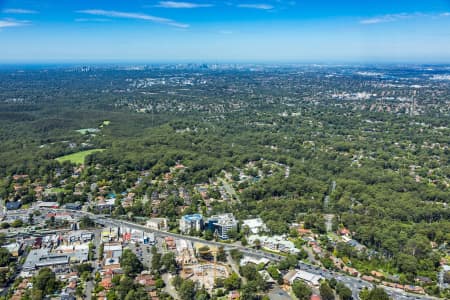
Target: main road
(354, 283)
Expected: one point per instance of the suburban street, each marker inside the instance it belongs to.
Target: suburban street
(89, 287)
(354, 283)
(230, 190)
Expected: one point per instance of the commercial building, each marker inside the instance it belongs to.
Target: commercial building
(61, 217)
(112, 250)
(76, 253)
(150, 239)
(252, 260)
(40, 258)
(274, 243)
(255, 226)
(158, 224)
(220, 225)
(80, 236)
(44, 204)
(110, 234)
(189, 223)
(307, 277)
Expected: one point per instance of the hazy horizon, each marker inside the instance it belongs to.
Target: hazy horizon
(234, 31)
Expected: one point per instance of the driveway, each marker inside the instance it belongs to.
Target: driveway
(169, 288)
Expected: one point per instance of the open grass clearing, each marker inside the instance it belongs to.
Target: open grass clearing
(78, 157)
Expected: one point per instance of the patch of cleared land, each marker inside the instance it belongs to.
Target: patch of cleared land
(87, 130)
(105, 123)
(78, 157)
(56, 190)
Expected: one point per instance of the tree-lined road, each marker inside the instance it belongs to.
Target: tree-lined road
(354, 283)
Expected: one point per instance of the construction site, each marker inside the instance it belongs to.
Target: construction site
(203, 268)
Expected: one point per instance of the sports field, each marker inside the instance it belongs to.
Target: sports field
(78, 157)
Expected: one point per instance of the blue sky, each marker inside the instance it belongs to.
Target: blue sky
(224, 31)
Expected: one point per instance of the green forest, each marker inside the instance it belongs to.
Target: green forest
(383, 174)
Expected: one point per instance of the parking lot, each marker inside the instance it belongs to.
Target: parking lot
(143, 252)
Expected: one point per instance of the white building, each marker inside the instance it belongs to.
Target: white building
(158, 224)
(112, 250)
(222, 224)
(307, 277)
(275, 243)
(189, 223)
(255, 225)
(43, 204)
(251, 260)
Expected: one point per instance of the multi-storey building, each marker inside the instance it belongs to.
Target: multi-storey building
(189, 223)
(220, 225)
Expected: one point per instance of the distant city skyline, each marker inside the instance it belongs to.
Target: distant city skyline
(224, 31)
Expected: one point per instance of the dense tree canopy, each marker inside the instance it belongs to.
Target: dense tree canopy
(44, 284)
(306, 147)
(301, 290)
(130, 263)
